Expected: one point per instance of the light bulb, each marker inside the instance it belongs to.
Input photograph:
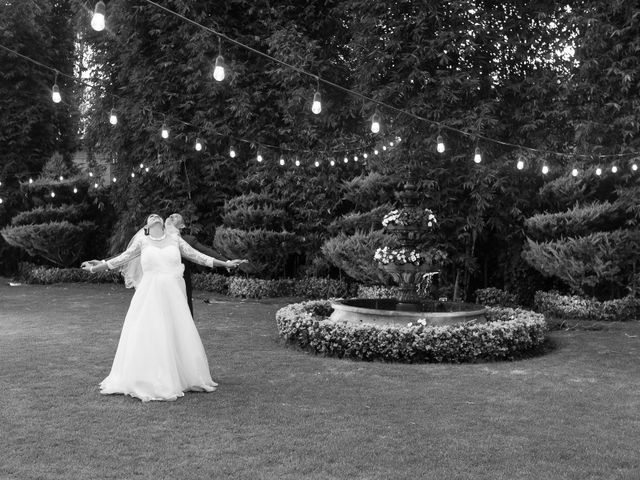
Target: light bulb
(346, 160)
(333, 162)
(61, 178)
(91, 174)
(317, 163)
(259, 157)
(375, 152)
(95, 185)
(164, 132)
(53, 194)
(391, 144)
(440, 148)
(297, 163)
(545, 169)
(398, 139)
(598, 171)
(1, 200)
(97, 20)
(30, 180)
(218, 69)
(281, 161)
(133, 175)
(114, 179)
(355, 158)
(141, 166)
(75, 190)
(477, 157)
(384, 147)
(375, 123)
(113, 119)
(232, 152)
(574, 172)
(365, 155)
(146, 169)
(316, 107)
(55, 94)
(520, 165)
(198, 145)
(634, 167)
(614, 169)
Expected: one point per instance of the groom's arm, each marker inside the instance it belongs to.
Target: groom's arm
(194, 243)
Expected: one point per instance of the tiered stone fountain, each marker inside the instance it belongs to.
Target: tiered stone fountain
(408, 267)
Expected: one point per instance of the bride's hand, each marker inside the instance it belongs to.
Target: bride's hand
(88, 264)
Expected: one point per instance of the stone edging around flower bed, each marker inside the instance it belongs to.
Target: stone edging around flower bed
(509, 333)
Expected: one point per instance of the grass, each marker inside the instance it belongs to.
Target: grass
(279, 413)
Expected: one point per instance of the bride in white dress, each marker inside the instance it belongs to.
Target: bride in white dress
(160, 355)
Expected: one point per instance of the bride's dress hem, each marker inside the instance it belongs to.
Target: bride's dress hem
(168, 397)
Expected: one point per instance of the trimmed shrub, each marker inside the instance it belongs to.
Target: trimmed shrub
(574, 307)
(495, 297)
(253, 211)
(267, 251)
(363, 222)
(509, 333)
(353, 254)
(48, 213)
(62, 243)
(210, 282)
(312, 287)
(576, 222)
(37, 274)
(258, 288)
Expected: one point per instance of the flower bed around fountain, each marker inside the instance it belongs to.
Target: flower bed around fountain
(507, 334)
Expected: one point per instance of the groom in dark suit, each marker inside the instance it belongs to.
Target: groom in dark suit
(177, 221)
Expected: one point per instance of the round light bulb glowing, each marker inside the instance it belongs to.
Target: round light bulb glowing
(61, 178)
(1, 201)
(520, 165)
(91, 174)
(598, 171)
(55, 94)
(53, 194)
(346, 160)
(365, 155)
(114, 179)
(297, 163)
(164, 132)
(574, 172)
(375, 152)
(282, 161)
(317, 163)
(95, 185)
(477, 156)
(440, 147)
(375, 123)
(97, 20)
(634, 167)
(113, 118)
(332, 162)
(384, 147)
(614, 169)
(141, 166)
(218, 69)
(259, 157)
(75, 190)
(232, 152)
(133, 175)
(198, 145)
(146, 169)
(355, 158)
(30, 180)
(316, 106)
(545, 169)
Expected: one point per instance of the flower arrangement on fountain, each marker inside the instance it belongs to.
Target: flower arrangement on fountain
(404, 256)
(404, 217)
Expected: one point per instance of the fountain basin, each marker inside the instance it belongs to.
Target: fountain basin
(385, 312)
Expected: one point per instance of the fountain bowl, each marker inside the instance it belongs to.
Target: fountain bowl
(390, 312)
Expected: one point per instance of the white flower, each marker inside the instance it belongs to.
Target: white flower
(409, 324)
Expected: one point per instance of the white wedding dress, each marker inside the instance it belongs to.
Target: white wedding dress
(160, 354)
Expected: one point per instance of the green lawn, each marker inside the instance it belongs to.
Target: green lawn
(279, 413)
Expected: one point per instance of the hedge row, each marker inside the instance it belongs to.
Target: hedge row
(509, 333)
(579, 308)
(41, 275)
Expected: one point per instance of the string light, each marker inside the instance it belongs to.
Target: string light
(391, 144)
(440, 147)
(614, 169)
(61, 178)
(198, 145)
(30, 180)
(232, 152)
(355, 158)
(297, 162)
(218, 69)
(316, 106)
(346, 160)
(282, 161)
(332, 162)
(477, 156)
(133, 175)
(317, 163)
(375, 123)
(520, 164)
(90, 174)
(114, 179)
(113, 119)
(1, 201)
(634, 167)
(75, 189)
(574, 172)
(97, 20)
(365, 155)
(259, 157)
(95, 185)
(141, 166)
(55, 91)
(164, 131)
(146, 169)
(384, 147)
(545, 169)
(53, 194)
(598, 171)
(375, 152)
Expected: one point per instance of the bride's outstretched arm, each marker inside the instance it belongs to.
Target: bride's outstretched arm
(130, 253)
(195, 256)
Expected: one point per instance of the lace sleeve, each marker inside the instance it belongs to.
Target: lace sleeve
(129, 254)
(194, 255)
